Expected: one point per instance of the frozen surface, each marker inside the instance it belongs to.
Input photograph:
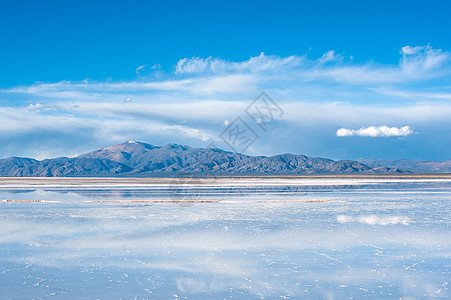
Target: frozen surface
(239, 239)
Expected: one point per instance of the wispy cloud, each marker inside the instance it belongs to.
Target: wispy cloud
(138, 69)
(261, 63)
(211, 76)
(373, 131)
(330, 56)
(418, 60)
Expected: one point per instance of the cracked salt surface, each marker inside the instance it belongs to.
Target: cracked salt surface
(244, 239)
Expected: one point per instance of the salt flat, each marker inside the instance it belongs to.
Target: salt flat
(240, 238)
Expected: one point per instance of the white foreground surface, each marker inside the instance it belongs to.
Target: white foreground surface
(329, 238)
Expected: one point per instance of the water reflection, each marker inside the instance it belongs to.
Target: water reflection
(379, 239)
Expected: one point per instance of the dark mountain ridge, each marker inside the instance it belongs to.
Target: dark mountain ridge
(141, 159)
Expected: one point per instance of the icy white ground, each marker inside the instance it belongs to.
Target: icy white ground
(220, 239)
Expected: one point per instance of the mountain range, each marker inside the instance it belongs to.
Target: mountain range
(141, 159)
(413, 165)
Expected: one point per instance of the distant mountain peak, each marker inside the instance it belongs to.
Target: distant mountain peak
(131, 143)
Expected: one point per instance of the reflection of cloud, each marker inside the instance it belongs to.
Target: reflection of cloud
(374, 220)
(158, 231)
(175, 243)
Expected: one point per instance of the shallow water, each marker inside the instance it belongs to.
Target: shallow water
(239, 239)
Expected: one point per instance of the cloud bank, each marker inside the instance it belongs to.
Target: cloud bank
(191, 103)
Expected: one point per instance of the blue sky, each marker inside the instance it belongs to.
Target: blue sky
(354, 79)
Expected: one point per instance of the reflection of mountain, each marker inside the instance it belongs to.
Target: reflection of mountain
(19, 191)
(413, 165)
(202, 190)
(140, 159)
(206, 188)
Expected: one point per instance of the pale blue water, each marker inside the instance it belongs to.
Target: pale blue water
(376, 239)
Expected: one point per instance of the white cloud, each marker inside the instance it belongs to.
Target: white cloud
(373, 131)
